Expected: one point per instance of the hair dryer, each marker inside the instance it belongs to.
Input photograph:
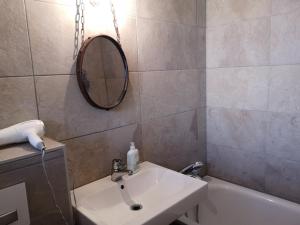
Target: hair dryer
(31, 131)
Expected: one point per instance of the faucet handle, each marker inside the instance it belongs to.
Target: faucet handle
(117, 165)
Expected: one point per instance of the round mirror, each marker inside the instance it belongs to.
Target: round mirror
(102, 72)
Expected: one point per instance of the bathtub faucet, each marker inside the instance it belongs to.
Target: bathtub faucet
(194, 170)
(118, 170)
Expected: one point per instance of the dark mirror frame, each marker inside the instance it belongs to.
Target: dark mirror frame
(81, 79)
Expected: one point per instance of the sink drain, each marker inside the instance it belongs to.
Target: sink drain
(136, 207)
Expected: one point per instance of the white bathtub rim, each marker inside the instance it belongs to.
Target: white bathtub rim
(253, 193)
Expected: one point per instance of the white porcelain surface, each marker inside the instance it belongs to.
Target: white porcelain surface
(163, 193)
(229, 204)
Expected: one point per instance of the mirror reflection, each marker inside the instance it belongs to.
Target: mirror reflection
(103, 72)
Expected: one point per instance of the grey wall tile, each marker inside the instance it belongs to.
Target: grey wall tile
(236, 166)
(238, 87)
(166, 46)
(126, 8)
(97, 20)
(67, 114)
(201, 48)
(64, 2)
(17, 100)
(201, 116)
(239, 44)
(51, 28)
(127, 29)
(201, 13)
(284, 6)
(283, 178)
(285, 38)
(248, 36)
(15, 59)
(168, 92)
(283, 136)
(177, 11)
(128, 32)
(239, 129)
(285, 89)
(52, 31)
(123, 9)
(224, 12)
(90, 157)
(203, 81)
(172, 141)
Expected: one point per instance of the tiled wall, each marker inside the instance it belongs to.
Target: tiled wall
(253, 94)
(164, 110)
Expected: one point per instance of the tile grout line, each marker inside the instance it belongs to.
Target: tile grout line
(240, 150)
(140, 127)
(169, 115)
(252, 110)
(197, 13)
(241, 20)
(98, 132)
(266, 133)
(165, 21)
(250, 66)
(167, 70)
(31, 56)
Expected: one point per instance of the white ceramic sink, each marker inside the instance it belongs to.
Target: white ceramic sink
(164, 195)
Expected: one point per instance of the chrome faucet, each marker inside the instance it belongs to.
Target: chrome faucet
(118, 170)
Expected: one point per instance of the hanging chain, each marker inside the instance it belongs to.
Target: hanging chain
(79, 19)
(115, 21)
(82, 21)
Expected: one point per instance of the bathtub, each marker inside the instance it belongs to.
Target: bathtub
(229, 204)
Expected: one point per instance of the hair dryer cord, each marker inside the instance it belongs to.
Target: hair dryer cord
(51, 187)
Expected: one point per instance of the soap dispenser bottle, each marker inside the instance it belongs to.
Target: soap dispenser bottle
(132, 158)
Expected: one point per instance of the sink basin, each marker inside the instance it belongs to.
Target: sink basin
(153, 196)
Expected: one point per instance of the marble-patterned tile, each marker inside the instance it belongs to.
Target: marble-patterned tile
(225, 12)
(172, 141)
(283, 136)
(52, 30)
(285, 89)
(15, 59)
(238, 129)
(177, 11)
(90, 157)
(128, 32)
(284, 6)
(239, 44)
(17, 100)
(201, 13)
(123, 9)
(283, 178)
(203, 94)
(99, 20)
(285, 38)
(201, 116)
(239, 87)
(168, 92)
(236, 166)
(64, 2)
(166, 46)
(201, 61)
(61, 47)
(67, 114)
